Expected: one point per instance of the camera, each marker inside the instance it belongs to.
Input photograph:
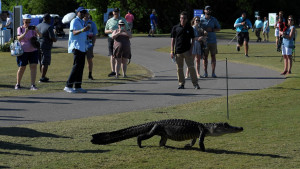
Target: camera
(31, 27)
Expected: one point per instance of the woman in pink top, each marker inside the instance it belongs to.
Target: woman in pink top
(25, 33)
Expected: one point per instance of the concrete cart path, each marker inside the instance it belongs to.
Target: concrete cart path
(159, 91)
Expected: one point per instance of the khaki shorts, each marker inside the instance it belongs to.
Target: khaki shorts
(211, 48)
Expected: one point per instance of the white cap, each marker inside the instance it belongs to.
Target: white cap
(26, 16)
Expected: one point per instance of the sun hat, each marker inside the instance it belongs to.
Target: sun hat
(27, 16)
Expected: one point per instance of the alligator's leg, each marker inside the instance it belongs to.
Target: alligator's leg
(148, 135)
(201, 139)
(191, 144)
(163, 140)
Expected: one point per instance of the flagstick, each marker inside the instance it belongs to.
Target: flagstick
(227, 89)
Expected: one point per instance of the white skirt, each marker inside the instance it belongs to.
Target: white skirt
(287, 51)
(277, 32)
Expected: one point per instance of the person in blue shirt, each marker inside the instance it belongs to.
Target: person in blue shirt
(242, 24)
(288, 44)
(211, 25)
(91, 36)
(258, 27)
(78, 46)
(153, 23)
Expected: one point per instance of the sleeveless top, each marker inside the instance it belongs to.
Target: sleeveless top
(288, 43)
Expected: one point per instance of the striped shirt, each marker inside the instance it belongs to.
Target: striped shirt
(112, 24)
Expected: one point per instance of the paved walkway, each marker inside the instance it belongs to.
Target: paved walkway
(159, 91)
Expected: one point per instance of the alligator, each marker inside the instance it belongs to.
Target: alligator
(174, 129)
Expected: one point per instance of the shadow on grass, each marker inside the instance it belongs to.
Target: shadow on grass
(217, 151)
(26, 132)
(17, 154)
(14, 146)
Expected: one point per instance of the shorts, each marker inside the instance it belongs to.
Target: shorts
(110, 46)
(212, 48)
(277, 32)
(90, 52)
(243, 36)
(130, 24)
(31, 57)
(46, 57)
(153, 27)
(287, 51)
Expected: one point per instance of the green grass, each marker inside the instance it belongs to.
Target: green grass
(270, 139)
(58, 73)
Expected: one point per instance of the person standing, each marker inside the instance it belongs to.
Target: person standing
(258, 25)
(24, 35)
(182, 43)
(122, 51)
(288, 45)
(78, 46)
(242, 24)
(211, 25)
(111, 25)
(153, 23)
(200, 41)
(129, 18)
(266, 29)
(46, 41)
(276, 26)
(91, 35)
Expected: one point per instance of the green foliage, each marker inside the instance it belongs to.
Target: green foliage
(5, 47)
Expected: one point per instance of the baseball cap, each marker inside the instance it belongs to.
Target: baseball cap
(47, 16)
(207, 7)
(121, 22)
(26, 16)
(81, 9)
(116, 10)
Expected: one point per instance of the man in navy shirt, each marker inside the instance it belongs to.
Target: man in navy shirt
(153, 23)
(181, 48)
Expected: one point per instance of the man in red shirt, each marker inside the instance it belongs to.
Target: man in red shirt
(129, 18)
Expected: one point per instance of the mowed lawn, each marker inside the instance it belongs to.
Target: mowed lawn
(59, 71)
(270, 118)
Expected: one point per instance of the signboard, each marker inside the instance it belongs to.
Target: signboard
(17, 19)
(198, 12)
(272, 19)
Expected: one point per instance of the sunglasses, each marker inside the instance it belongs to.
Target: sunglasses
(290, 19)
(197, 20)
(27, 22)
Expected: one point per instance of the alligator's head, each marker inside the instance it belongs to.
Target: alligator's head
(218, 129)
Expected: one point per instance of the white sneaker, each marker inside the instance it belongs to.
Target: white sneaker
(80, 90)
(69, 90)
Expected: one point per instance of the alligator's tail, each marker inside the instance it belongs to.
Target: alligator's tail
(119, 135)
